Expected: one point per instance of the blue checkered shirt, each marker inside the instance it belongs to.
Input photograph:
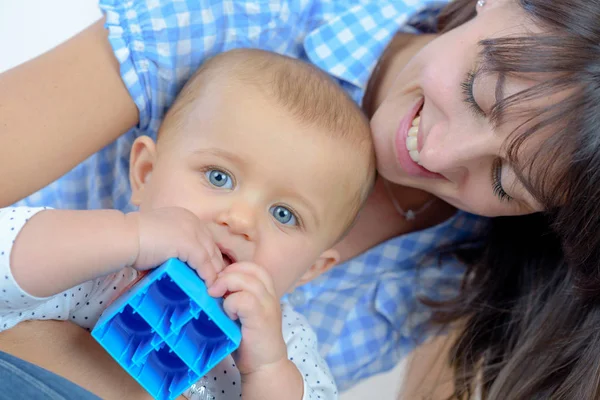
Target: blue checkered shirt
(365, 311)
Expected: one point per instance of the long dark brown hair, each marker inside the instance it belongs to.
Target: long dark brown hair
(529, 308)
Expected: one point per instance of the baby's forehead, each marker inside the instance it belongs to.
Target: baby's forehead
(336, 178)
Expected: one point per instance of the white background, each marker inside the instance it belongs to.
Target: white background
(31, 27)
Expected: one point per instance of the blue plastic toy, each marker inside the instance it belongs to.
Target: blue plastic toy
(166, 331)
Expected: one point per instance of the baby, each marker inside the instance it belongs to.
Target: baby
(259, 168)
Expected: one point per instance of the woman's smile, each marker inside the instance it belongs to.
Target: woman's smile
(409, 142)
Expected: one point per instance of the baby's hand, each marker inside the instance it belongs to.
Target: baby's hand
(175, 232)
(253, 300)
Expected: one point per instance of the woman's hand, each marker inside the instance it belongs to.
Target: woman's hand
(58, 109)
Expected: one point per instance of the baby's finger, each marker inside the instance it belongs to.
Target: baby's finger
(257, 271)
(206, 241)
(217, 259)
(217, 288)
(227, 282)
(243, 305)
(236, 281)
(200, 261)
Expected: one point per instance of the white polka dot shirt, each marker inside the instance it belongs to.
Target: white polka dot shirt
(83, 305)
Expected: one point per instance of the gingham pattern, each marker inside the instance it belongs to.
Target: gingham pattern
(365, 312)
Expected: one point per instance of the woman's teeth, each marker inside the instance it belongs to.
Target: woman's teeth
(411, 140)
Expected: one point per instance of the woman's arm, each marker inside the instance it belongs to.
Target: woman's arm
(58, 109)
(71, 352)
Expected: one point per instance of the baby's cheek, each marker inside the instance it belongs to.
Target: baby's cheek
(286, 259)
(295, 272)
(282, 277)
(280, 281)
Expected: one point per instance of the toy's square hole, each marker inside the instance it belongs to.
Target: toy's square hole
(165, 374)
(170, 291)
(205, 327)
(129, 337)
(132, 322)
(165, 306)
(202, 344)
(169, 362)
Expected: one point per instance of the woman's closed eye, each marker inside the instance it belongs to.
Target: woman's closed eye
(496, 172)
(469, 97)
(219, 178)
(284, 216)
(497, 187)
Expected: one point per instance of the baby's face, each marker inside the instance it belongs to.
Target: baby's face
(270, 190)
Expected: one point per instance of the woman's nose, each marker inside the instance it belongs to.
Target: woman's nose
(240, 219)
(454, 152)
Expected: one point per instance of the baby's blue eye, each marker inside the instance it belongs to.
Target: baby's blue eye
(219, 179)
(283, 215)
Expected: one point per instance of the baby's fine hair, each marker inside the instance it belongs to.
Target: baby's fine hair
(304, 90)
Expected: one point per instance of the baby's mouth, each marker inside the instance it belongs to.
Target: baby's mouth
(228, 258)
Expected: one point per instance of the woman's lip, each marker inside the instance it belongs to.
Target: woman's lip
(406, 162)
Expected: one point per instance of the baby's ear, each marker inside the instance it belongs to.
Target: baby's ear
(141, 163)
(328, 259)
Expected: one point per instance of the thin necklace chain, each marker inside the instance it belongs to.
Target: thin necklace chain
(409, 214)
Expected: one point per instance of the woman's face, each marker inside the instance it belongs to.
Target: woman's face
(432, 129)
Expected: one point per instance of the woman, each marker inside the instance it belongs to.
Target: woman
(487, 122)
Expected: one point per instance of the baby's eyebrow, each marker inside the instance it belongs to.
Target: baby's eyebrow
(234, 158)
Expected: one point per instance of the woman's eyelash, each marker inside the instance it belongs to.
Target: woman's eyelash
(468, 97)
(497, 182)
